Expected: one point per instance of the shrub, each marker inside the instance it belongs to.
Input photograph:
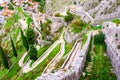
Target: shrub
(32, 53)
(13, 48)
(30, 35)
(24, 40)
(99, 38)
(11, 7)
(3, 58)
(57, 15)
(1, 7)
(69, 16)
(117, 21)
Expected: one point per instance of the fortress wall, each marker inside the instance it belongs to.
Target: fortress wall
(76, 68)
(112, 41)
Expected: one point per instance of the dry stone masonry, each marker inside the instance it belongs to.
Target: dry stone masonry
(76, 67)
(112, 39)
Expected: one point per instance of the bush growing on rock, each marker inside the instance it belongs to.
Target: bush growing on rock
(30, 35)
(32, 53)
(99, 38)
(69, 16)
(57, 15)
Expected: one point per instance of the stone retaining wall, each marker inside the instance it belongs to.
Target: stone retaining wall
(112, 39)
(76, 68)
(107, 17)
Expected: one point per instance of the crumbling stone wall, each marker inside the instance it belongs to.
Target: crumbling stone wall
(76, 68)
(112, 39)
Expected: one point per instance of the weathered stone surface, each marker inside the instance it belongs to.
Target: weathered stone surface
(112, 39)
(57, 22)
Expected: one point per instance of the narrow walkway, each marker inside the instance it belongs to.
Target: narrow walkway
(72, 54)
(26, 67)
(98, 66)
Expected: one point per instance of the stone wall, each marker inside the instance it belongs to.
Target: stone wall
(107, 17)
(76, 68)
(102, 7)
(78, 10)
(112, 39)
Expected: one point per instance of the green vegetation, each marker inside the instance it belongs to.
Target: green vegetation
(59, 64)
(24, 40)
(32, 53)
(1, 7)
(38, 70)
(78, 25)
(57, 15)
(11, 21)
(11, 7)
(45, 29)
(98, 66)
(30, 35)
(26, 58)
(69, 16)
(42, 4)
(68, 48)
(12, 72)
(117, 21)
(96, 27)
(84, 39)
(29, 20)
(42, 50)
(99, 38)
(13, 48)
(4, 58)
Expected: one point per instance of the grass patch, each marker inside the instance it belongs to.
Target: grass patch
(78, 25)
(98, 27)
(101, 66)
(25, 59)
(117, 21)
(42, 50)
(12, 72)
(59, 64)
(68, 48)
(84, 39)
(2, 72)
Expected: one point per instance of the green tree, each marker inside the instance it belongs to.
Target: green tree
(13, 48)
(24, 40)
(3, 58)
(30, 35)
(32, 53)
